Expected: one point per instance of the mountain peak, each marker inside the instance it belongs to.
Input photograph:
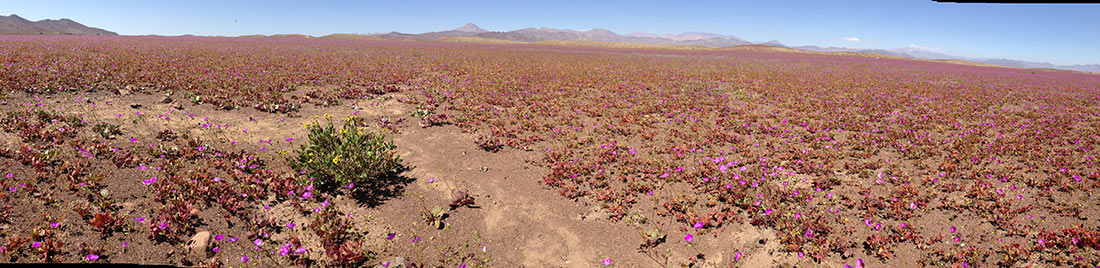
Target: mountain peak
(470, 28)
(774, 42)
(15, 24)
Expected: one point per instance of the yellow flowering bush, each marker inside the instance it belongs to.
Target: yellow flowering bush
(337, 157)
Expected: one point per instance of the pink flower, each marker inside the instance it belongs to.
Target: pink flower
(149, 181)
(698, 225)
(607, 262)
(139, 219)
(689, 238)
(91, 257)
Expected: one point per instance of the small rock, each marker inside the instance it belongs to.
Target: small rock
(135, 106)
(124, 91)
(166, 100)
(395, 262)
(198, 244)
(458, 195)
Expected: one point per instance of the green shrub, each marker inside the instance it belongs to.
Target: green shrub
(338, 157)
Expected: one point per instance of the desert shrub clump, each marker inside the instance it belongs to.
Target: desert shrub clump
(345, 157)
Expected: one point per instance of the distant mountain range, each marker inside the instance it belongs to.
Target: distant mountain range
(603, 35)
(922, 53)
(17, 25)
(705, 40)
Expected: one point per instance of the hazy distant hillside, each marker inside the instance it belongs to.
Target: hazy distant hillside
(602, 35)
(921, 53)
(17, 25)
(1095, 68)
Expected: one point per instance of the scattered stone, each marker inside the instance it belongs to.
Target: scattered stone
(135, 106)
(124, 91)
(395, 262)
(166, 100)
(198, 245)
(460, 198)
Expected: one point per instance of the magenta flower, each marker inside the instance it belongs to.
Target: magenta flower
(290, 225)
(953, 229)
(607, 262)
(244, 258)
(139, 219)
(91, 257)
(415, 239)
(698, 225)
(689, 238)
(36, 244)
(390, 236)
(149, 181)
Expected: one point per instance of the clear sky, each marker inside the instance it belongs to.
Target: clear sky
(1055, 33)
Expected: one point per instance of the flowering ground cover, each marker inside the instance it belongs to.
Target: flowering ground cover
(841, 159)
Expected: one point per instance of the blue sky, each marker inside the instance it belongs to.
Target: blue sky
(1057, 33)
